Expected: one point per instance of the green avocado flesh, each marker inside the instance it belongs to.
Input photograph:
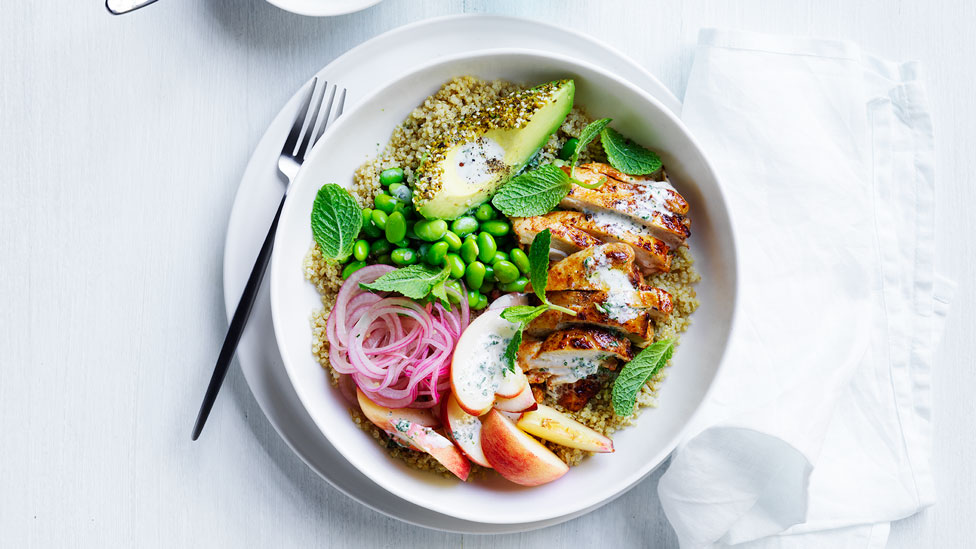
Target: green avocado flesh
(489, 147)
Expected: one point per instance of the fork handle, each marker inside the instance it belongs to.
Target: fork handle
(237, 324)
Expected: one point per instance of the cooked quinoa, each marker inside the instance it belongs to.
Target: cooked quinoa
(440, 113)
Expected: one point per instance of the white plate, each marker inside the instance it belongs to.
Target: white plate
(321, 8)
(641, 447)
(361, 69)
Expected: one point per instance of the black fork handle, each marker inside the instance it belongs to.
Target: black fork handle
(237, 324)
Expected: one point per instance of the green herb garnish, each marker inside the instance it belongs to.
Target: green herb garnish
(535, 192)
(589, 133)
(414, 281)
(636, 373)
(336, 220)
(539, 276)
(627, 156)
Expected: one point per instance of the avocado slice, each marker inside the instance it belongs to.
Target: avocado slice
(489, 147)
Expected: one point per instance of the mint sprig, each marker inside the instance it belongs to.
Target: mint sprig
(589, 133)
(336, 220)
(414, 281)
(627, 156)
(636, 373)
(535, 192)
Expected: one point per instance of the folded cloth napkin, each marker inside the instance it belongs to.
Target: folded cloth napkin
(817, 431)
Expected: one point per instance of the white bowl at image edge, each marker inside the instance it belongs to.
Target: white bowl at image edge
(358, 136)
(323, 8)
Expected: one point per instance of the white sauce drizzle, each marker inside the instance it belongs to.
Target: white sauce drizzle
(620, 290)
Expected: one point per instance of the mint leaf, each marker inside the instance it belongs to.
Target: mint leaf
(414, 281)
(588, 134)
(539, 263)
(636, 373)
(511, 352)
(523, 314)
(440, 292)
(535, 192)
(627, 156)
(336, 220)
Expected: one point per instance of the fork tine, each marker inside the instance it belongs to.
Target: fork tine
(310, 130)
(296, 128)
(338, 111)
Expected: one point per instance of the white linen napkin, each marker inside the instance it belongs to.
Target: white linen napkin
(817, 431)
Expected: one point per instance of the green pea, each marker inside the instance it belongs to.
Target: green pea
(516, 286)
(351, 268)
(457, 294)
(456, 264)
(520, 259)
(360, 250)
(499, 256)
(482, 303)
(380, 247)
(385, 202)
(486, 247)
(485, 212)
(473, 297)
(489, 274)
(431, 230)
(569, 148)
(437, 253)
(385, 259)
(506, 271)
(379, 219)
(391, 176)
(403, 256)
(396, 227)
(496, 227)
(463, 226)
(474, 274)
(367, 216)
(469, 249)
(453, 241)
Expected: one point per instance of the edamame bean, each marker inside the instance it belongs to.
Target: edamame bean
(370, 229)
(453, 241)
(505, 271)
(482, 303)
(430, 230)
(485, 212)
(489, 274)
(380, 247)
(401, 192)
(422, 250)
(367, 216)
(360, 250)
(405, 243)
(474, 274)
(437, 253)
(520, 259)
(486, 247)
(487, 288)
(396, 227)
(403, 256)
(391, 176)
(385, 203)
(385, 259)
(518, 285)
(351, 268)
(456, 264)
(458, 293)
(473, 297)
(463, 226)
(496, 227)
(379, 219)
(569, 147)
(499, 256)
(469, 249)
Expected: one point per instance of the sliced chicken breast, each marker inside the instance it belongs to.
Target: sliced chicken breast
(651, 205)
(594, 309)
(566, 239)
(607, 267)
(653, 254)
(574, 396)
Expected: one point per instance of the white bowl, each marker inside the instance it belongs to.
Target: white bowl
(357, 136)
(321, 8)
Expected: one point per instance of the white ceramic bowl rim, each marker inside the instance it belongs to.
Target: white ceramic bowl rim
(583, 500)
(323, 8)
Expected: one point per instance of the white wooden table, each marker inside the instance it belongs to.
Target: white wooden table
(122, 141)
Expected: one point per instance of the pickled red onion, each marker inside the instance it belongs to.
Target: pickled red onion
(394, 349)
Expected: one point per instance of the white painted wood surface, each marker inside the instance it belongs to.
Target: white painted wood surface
(122, 141)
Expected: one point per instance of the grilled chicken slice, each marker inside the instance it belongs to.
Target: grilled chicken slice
(566, 239)
(652, 205)
(576, 353)
(658, 180)
(596, 309)
(653, 254)
(609, 267)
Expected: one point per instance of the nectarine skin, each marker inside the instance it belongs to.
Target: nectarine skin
(517, 456)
